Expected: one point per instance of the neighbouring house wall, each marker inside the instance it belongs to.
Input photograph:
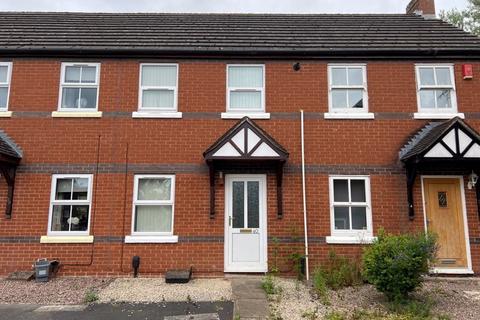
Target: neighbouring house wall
(104, 146)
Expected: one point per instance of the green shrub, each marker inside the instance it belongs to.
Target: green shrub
(268, 284)
(338, 272)
(395, 264)
(90, 296)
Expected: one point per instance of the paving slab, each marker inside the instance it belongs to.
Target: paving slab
(250, 298)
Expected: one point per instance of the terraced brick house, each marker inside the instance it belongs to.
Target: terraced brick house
(229, 142)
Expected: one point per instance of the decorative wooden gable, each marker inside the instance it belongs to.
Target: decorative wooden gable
(246, 144)
(246, 141)
(451, 144)
(455, 144)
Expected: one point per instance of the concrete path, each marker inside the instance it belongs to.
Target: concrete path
(122, 311)
(249, 298)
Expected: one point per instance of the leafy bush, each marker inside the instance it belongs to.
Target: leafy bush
(395, 264)
(338, 272)
(90, 296)
(268, 284)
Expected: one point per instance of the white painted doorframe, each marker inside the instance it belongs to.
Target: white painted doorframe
(469, 269)
(262, 266)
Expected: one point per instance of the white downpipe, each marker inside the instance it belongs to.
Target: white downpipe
(304, 195)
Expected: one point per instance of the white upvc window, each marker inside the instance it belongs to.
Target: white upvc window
(153, 205)
(350, 207)
(436, 89)
(245, 89)
(79, 87)
(5, 78)
(158, 87)
(347, 89)
(70, 204)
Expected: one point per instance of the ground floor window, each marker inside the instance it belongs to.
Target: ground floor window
(153, 205)
(350, 207)
(70, 204)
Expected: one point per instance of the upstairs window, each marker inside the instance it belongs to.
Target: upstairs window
(79, 86)
(158, 87)
(245, 88)
(153, 205)
(5, 76)
(436, 89)
(350, 206)
(70, 204)
(347, 88)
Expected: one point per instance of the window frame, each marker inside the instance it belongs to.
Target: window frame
(141, 88)
(53, 202)
(7, 84)
(136, 202)
(63, 85)
(453, 92)
(367, 233)
(364, 87)
(262, 109)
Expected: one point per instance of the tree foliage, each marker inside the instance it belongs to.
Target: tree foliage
(467, 19)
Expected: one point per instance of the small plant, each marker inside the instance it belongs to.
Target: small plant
(297, 259)
(320, 286)
(310, 314)
(90, 296)
(334, 315)
(268, 284)
(275, 245)
(395, 265)
(237, 317)
(338, 272)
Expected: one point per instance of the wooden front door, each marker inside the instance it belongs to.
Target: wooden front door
(444, 216)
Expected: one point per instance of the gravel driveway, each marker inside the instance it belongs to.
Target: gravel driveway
(64, 290)
(156, 290)
(457, 298)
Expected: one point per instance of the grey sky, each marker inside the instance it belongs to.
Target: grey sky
(274, 6)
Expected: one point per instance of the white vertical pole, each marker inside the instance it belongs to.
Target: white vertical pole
(304, 194)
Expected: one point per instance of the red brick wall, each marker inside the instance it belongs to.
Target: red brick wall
(55, 145)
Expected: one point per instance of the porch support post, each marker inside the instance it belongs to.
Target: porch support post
(8, 173)
(211, 171)
(477, 191)
(280, 190)
(411, 170)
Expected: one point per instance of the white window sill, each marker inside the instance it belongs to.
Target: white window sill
(339, 115)
(6, 114)
(157, 114)
(425, 115)
(76, 114)
(66, 239)
(240, 115)
(360, 239)
(151, 239)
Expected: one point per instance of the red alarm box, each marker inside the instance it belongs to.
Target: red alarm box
(467, 71)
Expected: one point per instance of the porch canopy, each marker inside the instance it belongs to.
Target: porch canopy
(246, 148)
(10, 156)
(441, 148)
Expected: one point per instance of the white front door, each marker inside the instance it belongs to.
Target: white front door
(245, 223)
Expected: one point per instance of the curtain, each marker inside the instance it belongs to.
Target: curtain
(245, 99)
(245, 77)
(154, 189)
(159, 76)
(153, 218)
(3, 74)
(162, 99)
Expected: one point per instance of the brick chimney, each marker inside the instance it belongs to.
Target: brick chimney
(425, 8)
